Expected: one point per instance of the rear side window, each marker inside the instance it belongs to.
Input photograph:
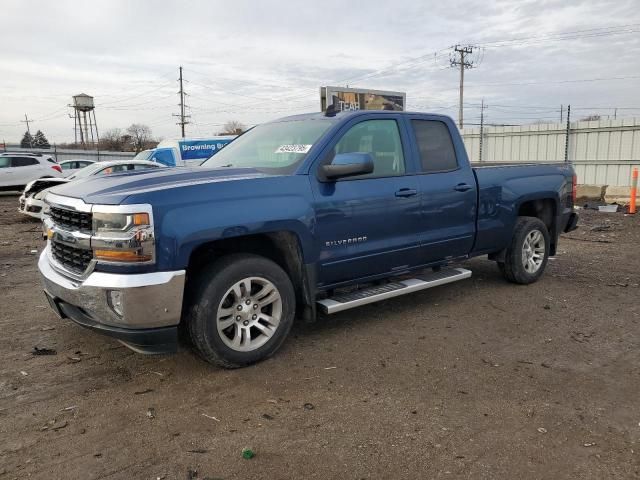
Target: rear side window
(23, 162)
(434, 143)
(143, 167)
(5, 162)
(68, 165)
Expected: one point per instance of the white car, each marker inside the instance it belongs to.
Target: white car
(31, 200)
(18, 169)
(69, 167)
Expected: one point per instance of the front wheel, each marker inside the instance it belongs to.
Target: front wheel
(242, 311)
(526, 257)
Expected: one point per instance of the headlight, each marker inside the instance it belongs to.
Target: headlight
(116, 223)
(46, 208)
(123, 237)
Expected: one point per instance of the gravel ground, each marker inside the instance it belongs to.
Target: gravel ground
(481, 379)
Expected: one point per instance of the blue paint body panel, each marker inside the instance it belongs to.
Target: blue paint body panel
(348, 231)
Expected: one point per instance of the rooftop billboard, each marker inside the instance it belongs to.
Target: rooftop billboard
(361, 99)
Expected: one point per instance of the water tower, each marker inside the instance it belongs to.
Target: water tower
(83, 123)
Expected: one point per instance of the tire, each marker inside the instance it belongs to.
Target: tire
(527, 255)
(220, 299)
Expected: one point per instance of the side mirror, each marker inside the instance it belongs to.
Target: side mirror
(348, 165)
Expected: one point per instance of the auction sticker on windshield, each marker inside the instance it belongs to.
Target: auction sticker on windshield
(293, 149)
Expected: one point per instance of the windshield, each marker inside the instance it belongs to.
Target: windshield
(144, 155)
(87, 171)
(273, 147)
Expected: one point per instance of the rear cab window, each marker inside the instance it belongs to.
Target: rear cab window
(435, 146)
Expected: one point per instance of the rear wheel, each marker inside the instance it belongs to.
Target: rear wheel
(242, 311)
(527, 255)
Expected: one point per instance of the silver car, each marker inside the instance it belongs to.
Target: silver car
(31, 200)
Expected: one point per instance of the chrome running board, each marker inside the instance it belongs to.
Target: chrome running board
(357, 298)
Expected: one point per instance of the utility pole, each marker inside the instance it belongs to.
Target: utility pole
(463, 63)
(482, 107)
(561, 112)
(183, 118)
(26, 120)
(566, 140)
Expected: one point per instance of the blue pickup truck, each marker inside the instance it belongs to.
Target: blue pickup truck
(308, 214)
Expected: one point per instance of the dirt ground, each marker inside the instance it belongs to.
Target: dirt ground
(481, 379)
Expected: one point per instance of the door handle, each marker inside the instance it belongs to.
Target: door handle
(462, 187)
(406, 192)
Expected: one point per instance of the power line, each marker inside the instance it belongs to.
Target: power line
(581, 80)
(559, 36)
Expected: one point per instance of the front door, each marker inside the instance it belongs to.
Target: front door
(368, 225)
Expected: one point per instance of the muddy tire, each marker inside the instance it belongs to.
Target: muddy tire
(527, 255)
(241, 311)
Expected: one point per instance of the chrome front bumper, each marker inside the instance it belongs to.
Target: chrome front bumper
(149, 300)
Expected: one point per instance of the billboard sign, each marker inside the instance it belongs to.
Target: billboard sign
(201, 149)
(361, 99)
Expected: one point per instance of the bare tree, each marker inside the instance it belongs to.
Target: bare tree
(114, 140)
(233, 127)
(591, 118)
(140, 136)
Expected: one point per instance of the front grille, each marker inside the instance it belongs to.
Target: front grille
(75, 259)
(71, 220)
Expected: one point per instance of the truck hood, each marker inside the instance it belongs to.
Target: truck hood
(114, 189)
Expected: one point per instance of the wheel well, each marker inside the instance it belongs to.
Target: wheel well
(545, 210)
(281, 247)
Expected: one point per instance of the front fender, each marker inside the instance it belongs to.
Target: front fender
(253, 207)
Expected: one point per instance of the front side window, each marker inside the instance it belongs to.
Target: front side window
(436, 148)
(68, 165)
(5, 162)
(277, 147)
(380, 138)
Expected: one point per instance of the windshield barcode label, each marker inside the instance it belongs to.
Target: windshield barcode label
(293, 149)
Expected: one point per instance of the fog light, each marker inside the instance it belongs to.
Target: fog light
(115, 301)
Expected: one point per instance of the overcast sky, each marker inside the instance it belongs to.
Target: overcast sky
(253, 61)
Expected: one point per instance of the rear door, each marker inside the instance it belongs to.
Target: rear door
(25, 169)
(368, 225)
(448, 192)
(6, 172)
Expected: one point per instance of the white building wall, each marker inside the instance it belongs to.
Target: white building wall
(603, 152)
